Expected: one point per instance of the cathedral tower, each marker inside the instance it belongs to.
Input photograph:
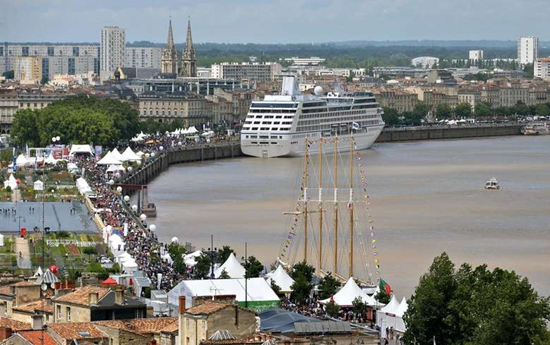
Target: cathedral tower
(170, 54)
(189, 61)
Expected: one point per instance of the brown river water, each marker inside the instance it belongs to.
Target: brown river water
(426, 197)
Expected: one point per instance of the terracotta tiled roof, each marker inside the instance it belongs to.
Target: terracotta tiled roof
(38, 337)
(207, 308)
(77, 330)
(14, 324)
(82, 295)
(150, 325)
(38, 305)
(171, 328)
(5, 290)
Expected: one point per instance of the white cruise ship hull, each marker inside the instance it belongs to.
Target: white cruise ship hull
(293, 145)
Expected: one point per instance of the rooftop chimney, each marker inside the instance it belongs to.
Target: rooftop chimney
(119, 296)
(37, 322)
(93, 298)
(181, 305)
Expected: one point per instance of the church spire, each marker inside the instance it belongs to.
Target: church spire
(170, 43)
(169, 63)
(189, 60)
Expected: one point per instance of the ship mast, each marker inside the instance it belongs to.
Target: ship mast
(320, 264)
(306, 162)
(335, 183)
(350, 207)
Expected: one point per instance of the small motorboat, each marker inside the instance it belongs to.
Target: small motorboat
(492, 184)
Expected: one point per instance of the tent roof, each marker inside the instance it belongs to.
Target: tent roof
(81, 149)
(109, 159)
(258, 289)
(402, 308)
(281, 278)
(116, 153)
(232, 266)
(109, 281)
(391, 308)
(348, 293)
(21, 160)
(129, 155)
(47, 278)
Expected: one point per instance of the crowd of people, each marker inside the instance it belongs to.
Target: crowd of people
(140, 242)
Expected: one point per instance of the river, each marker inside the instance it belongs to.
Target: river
(426, 197)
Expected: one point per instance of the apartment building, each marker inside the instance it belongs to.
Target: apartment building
(142, 57)
(251, 71)
(27, 69)
(528, 49)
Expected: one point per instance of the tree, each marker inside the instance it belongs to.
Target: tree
(175, 249)
(542, 110)
(463, 110)
(276, 288)
(359, 307)
(253, 267)
(224, 275)
(202, 267)
(9, 74)
(483, 110)
(179, 264)
(224, 253)
(44, 80)
(332, 309)
(328, 286)
(303, 269)
(301, 289)
(475, 306)
(444, 111)
(383, 296)
(6, 156)
(390, 116)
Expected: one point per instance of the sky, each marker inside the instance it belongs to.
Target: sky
(274, 21)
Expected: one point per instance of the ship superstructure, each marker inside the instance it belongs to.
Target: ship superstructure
(279, 125)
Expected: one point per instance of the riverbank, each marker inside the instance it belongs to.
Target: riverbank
(448, 132)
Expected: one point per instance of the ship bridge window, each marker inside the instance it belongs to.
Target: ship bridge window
(278, 117)
(267, 123)
(273, 105)
(254, 128)
(253, 137)
(277, 123)
(264, 136)
(257, 122)
(264, 129)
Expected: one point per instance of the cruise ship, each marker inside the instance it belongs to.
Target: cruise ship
(280, 125)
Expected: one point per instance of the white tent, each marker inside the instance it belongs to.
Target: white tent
(38, 272)
(392, 315)
(50, 160)
(232, 266)
(190, 259)
(115, 168)
(72, 168)
(129, 155)
(281, 278)
(1, 240)
(22, 161)
(139, 154)
(391, 307)
(259, 294)
(190, 130)
(140, 137)
(118, 155)
(11, 182)
(38, 185)
(87, 149)
(109, 159)
(83, 186)
(349, 292)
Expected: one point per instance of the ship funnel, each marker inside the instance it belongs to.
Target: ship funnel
(290, 87)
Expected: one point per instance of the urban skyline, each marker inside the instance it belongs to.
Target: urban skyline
(281, 22)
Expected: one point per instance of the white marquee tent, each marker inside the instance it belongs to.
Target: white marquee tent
(129, 155)
(116, 153)
(281, 278)
(50, 160)
(109, 159)
(11, 182)
(392, 315)
(259, 294)
(22, 161)
(81, 149)
(232, 266)
(38, 185)
(190, 259)
(83, 186)
(349, 292)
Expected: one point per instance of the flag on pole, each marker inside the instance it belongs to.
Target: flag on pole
(385, 286)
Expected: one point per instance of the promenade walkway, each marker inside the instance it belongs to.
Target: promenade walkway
(22, 246)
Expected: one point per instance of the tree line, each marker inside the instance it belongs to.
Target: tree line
(444, 111)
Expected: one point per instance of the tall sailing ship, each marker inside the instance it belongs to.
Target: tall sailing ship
(278, 125)
(331, 226)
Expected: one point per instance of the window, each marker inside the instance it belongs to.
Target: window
(58, 312)
(68, 313)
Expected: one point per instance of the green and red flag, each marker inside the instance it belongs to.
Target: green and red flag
(385, 286)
